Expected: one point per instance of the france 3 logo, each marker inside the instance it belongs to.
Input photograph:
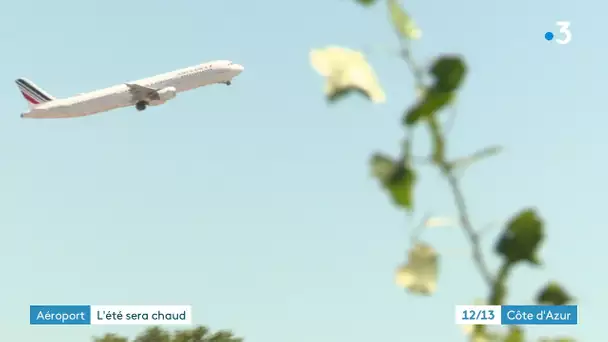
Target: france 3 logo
(565, 35)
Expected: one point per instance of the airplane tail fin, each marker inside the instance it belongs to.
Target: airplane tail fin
(32, 93)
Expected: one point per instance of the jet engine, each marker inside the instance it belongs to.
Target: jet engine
(164, 95)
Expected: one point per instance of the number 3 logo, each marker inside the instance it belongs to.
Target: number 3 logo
(564, 28)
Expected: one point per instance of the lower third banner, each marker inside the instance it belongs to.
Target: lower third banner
(517, 314)
(110, 315)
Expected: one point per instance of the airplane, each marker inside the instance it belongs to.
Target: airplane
(152, 91)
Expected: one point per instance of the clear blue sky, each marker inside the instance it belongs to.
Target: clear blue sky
(254, 202)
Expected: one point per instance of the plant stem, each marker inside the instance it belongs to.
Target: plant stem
(447, 171)
(499, 292)
(416, 71)
(466, 224)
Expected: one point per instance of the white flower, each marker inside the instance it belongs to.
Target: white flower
(346, 70)
(419, 274)
(434, 222)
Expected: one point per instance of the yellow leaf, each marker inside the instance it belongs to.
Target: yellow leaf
(402, 22)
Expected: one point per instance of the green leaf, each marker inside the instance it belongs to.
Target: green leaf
(397, 178)
(111, 338)
(430, 103)
(382, 167)
(154, 334)
(448, 72)
(522, 237)
(477, 156)
(402, 22)
(516, 334)
(340, 93)
(223, 336)
(492, 336)
(191, 335)
(366, 2)
(419, 274)
(553, 294)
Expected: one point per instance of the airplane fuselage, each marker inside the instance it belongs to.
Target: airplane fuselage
(120, 96)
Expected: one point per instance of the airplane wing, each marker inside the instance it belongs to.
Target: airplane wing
(141, 93)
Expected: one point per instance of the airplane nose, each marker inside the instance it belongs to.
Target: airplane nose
(238, 68)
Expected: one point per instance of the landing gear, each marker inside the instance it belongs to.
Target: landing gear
(228, 83)
(141, 105)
